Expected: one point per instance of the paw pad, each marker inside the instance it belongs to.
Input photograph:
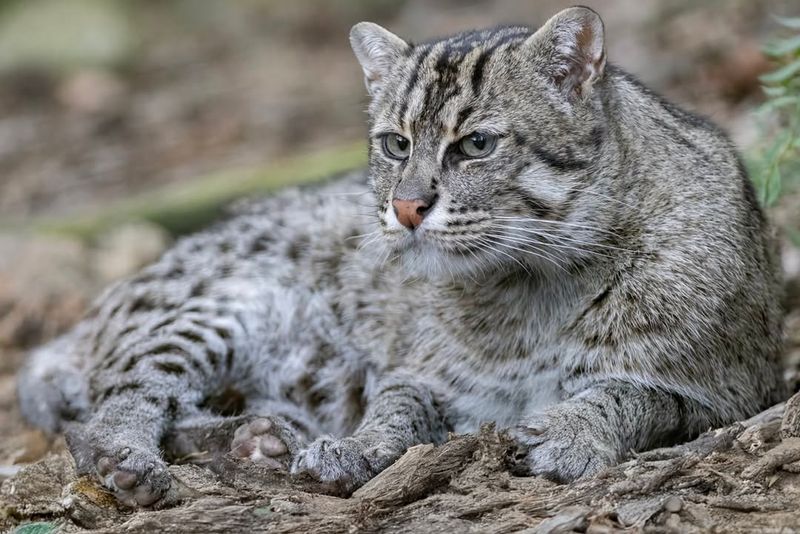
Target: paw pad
(262, 440)
(137, 478)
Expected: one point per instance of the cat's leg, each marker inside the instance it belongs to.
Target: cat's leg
(149, 371)
(599, 427)
(401, 412)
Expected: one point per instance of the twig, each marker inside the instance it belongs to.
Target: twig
(712, 441)
(786, 452)
(742, 505)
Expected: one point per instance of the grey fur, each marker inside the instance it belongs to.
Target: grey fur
(603, 281)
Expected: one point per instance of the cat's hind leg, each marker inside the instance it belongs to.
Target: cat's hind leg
(52, 386)
(158, 356)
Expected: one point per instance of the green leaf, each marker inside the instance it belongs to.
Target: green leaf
(783, 46)
(782, 74)
(789, 22)
(774, 190)
(778, 90)
(778, 144)
(35, 528)
(780, 102)
(762, 196)
(757, 175)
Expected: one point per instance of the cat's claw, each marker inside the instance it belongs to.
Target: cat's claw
(137, 476)
(562, 448)
(348, 462)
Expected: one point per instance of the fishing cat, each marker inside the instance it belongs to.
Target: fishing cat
(539, 241)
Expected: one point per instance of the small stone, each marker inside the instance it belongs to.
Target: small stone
(673, 504)
(567, 520)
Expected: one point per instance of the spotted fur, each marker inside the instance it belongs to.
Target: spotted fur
(603, 281)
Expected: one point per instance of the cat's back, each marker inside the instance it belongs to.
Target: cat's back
(671, 158)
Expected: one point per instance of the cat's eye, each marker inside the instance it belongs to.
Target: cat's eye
(477, 144)
(396, 146)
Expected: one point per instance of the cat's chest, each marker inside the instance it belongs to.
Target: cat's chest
(492, 375)
(492, 333)
(503, 397)
(494, 356)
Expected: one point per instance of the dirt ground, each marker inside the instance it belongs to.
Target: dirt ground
(209, 87)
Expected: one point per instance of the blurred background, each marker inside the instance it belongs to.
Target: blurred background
(125, 123)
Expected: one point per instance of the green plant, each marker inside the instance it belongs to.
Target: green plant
(36, 528)
(777, 164)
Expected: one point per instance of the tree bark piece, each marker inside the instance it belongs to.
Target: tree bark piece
(419, 471)
(790, 425)
(705, 444)
(786, 452)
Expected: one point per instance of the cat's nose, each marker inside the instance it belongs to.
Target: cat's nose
(411, 212)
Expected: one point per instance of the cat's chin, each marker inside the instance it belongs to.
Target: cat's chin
(423, 257)
(437, 265)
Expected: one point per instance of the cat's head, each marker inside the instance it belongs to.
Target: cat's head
(483, 145)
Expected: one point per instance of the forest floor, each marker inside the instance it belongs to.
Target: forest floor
(103, 166)
(742, 478)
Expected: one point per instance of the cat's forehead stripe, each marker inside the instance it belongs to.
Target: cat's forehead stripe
(438, 71)
(424, 50)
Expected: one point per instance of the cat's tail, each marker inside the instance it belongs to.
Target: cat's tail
(52, 386)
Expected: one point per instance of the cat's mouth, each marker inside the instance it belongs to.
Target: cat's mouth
(428, 240)
(436, 246)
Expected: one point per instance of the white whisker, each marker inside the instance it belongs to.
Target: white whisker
(546, 244)
(537, 250)
(558, 223)
(538, 254)
(559, 238)
(488, 245)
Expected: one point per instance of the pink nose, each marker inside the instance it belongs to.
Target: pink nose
(410, 212)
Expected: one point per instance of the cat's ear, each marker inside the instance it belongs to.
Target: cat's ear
(572, 47)
(377, 49)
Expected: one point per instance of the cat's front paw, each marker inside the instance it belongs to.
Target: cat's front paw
(349, 462)
(267, 440)
(561, 448)
(137, 476)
